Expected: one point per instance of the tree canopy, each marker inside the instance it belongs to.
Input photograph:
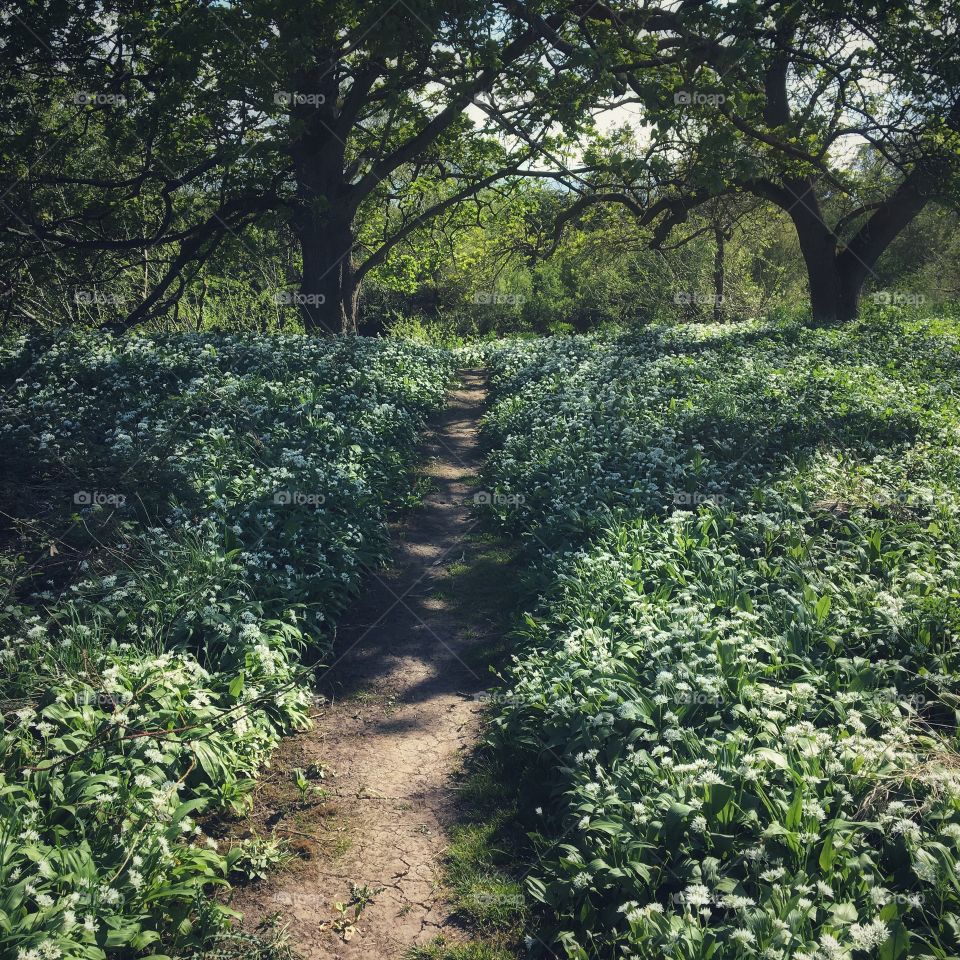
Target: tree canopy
(139, 139)
(845, 116)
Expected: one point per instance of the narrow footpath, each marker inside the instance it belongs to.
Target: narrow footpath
(402, 709)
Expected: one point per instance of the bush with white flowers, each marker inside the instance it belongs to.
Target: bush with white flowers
(211, 503)
(737, 703)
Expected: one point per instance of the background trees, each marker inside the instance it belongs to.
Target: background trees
(172, 127)
(844, 116)
(163, 161)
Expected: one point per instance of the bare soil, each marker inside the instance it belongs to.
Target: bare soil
(401, 708)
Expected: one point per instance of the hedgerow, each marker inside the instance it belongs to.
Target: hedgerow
(737, 705)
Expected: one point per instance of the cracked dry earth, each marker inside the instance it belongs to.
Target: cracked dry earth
(400, 714)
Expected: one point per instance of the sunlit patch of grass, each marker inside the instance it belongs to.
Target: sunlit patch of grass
(269, 943)
(482, 870)
(490, 582)
(439, 949)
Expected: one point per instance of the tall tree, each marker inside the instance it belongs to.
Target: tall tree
(845, 115)
(171, 125)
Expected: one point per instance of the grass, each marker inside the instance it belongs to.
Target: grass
(483, 888)
(269, 943)
(481, 867)
(371, 698)
(439, 949)
(482, 875)
(493, 585)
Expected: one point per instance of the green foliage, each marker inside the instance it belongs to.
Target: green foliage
(737, 703)
(494, 279)
(441, 949)
(332, 127)
(197, 511)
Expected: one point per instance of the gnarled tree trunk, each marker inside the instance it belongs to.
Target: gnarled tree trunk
(836, 273)
(328, 292)
(325, 207)
(835, 284)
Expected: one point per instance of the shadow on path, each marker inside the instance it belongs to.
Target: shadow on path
(401, 711)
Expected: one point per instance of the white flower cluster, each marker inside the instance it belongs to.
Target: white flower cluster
(740, 679)
(160, 678)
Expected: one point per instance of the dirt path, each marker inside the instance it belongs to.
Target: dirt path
(402, 709)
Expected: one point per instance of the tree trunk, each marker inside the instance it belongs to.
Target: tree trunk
(834, 291)
(836, 284)
(323, 216)
(836, 274)
(327, 297)
(818, 245)
(719, 273)
(851, 286)
(824, 292)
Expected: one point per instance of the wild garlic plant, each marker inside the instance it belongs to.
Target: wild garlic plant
(737, 702)
(197, 510)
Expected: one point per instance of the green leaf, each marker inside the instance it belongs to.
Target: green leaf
(828, 853)
(897, 944)
(773, 757)
(822, 608)
(795, 811)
